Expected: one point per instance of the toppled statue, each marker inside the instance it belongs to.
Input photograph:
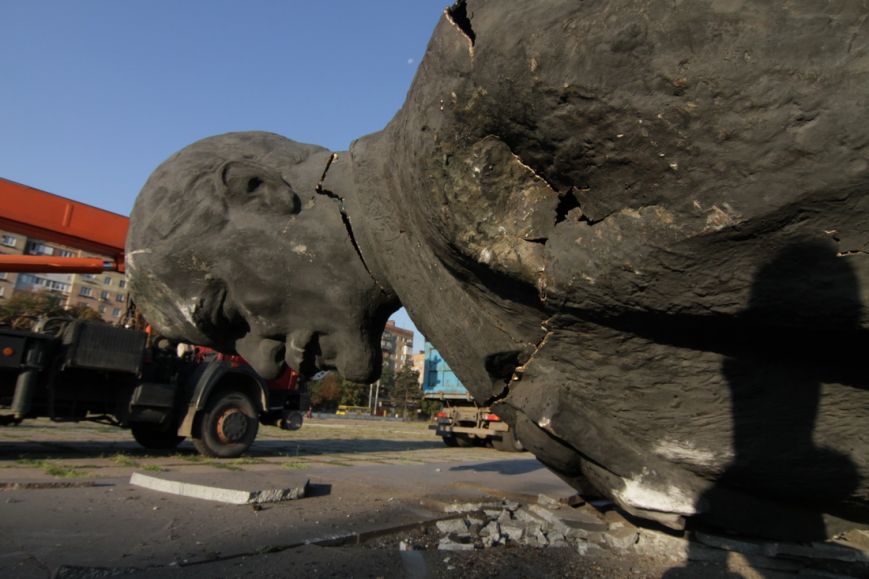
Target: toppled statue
(638, 230)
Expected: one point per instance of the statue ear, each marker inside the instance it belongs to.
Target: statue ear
(249, 183)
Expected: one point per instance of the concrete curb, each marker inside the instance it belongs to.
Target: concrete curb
(221, 495)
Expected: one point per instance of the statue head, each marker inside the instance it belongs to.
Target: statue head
(233, 245)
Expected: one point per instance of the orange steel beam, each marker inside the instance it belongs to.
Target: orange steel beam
(60, 220)
(51, 264)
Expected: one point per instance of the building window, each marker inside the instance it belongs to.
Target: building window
(107, 280)
(120, 298)
(104, 295)
(36, 248)
(55, 285)
(102, 308)
(122, 284)
(9, 240)
(2, 275)
(2, 291)
(86, 292)
(64, 253)
(27, 279)
(116, 312)
(89, 276)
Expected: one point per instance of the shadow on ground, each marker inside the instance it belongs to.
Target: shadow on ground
(12, 450)
(506, 467)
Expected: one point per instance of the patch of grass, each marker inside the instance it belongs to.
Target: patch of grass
(294, 465)
(190, 457)
(124, 460)
(153, 468)
(63, 472)
(51, 469)
(248, 460)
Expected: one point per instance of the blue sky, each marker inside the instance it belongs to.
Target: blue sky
(94, 94)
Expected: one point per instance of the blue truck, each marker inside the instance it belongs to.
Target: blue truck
(461, 422)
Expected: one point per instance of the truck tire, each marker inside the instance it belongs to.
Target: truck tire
(465, 440)
(228, 425)
(508, 442)
(154, 436)
(450, 440)
(291, 420)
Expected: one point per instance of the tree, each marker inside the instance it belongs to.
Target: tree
(431, 407)
(353, 393)
(44, 303)
(325, 393)
(382, 388)
(405, 392)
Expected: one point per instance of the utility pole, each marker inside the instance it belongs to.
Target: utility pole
(376, 396)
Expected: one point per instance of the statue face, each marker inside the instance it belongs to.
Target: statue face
(236, 249)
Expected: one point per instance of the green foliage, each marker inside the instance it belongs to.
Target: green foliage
(51, 469)
(326, 393)
(406, 393)
(124, 460)
(400, 390)
(387, 379)
(353, 394)
(44, 303)
(430, 407)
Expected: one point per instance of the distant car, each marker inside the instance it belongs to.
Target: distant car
(345, 409)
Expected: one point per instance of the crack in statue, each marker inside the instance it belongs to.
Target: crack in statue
(673, 196)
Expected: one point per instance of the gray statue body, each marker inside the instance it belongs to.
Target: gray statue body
(637, 230)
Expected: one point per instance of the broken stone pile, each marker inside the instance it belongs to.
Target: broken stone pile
(511, 523)
(600, 528)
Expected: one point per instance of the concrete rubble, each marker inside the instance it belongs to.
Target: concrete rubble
(596, 530)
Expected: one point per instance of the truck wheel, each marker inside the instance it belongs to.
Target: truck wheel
(508, 442)
(292, 420)
(228, 425)
(465, 441)
(155, 437)
(450, 440)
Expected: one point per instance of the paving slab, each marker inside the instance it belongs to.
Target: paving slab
(233, 488)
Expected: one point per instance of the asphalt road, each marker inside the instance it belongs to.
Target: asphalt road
(68, 510)
(67, 503)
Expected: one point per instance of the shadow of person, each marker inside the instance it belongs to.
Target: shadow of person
(798, 339)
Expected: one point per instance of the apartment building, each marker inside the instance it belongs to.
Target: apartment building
(105, 292)
(397, 347)
(11, 243)
(418, 364)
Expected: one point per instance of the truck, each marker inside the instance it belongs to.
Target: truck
(70, 370)
(461, 421)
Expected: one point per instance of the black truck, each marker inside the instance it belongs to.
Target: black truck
(72, 370)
